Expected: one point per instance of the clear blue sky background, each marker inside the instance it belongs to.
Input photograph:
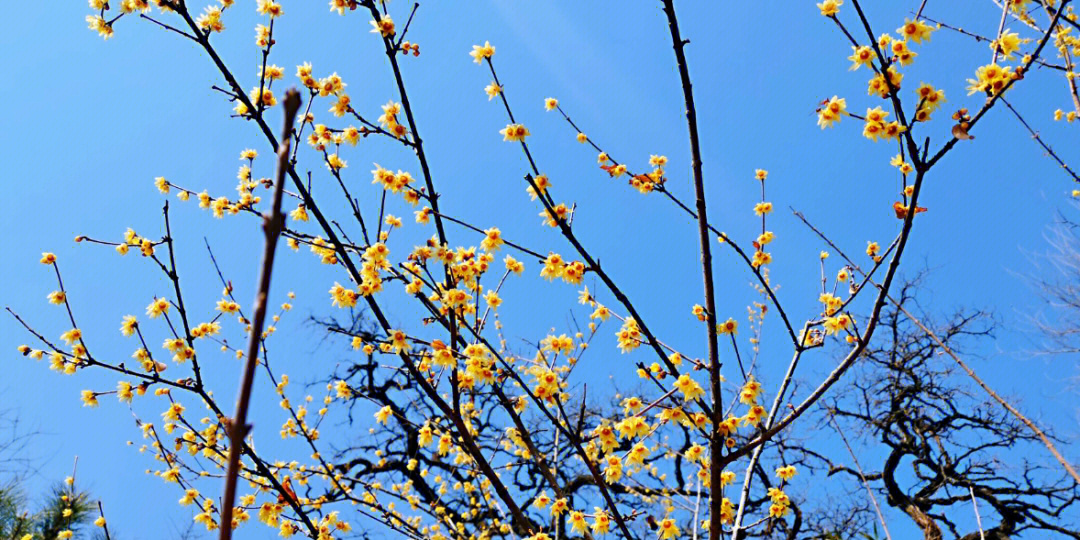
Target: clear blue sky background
(88, 124)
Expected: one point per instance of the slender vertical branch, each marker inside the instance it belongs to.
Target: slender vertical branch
(1001, 28)
(175, 278)
(716, 442)
(893, 92)
(978, 518)
(272, 225)
(406, 105)
(738, 531)
(1071, 81)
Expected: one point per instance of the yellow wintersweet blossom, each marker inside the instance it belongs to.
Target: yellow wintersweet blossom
(492, 239)
(879, 87)
(100, 25)
(840, 323)
(157, 308)
(384, 26)
(991, 79)
(1008, 43)
(210, 20)
(830, 8)
(832, 111)
(269, 7)
(786, 473)
(668, 529)
(861, 56)
(480, 52)
(730, 326)
(514, 133)
(691, 389)
(383, 414)
(916, 30)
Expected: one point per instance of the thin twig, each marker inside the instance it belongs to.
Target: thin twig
(921, 7)
(1038, 139)
(862, 475)
(167, 27)
(104, 524)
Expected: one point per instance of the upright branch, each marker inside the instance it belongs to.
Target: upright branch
(272, 226)
(101, 521)
(716, 440)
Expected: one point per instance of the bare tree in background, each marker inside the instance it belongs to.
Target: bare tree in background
(15, 464)
(942, 444)
(1059, 286)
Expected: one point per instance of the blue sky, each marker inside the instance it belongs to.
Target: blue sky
(91, 123)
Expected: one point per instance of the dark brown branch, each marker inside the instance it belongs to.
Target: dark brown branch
(716, 441)
(104, 524)
(237, 426)
(167, 27)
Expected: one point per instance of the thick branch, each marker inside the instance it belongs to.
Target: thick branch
(272, 226)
